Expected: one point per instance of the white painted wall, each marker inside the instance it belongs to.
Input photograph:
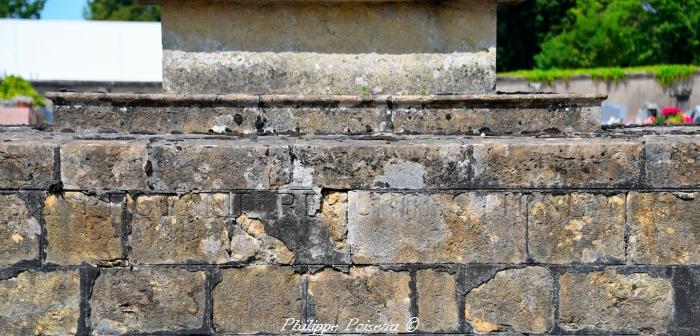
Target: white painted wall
(81, 50)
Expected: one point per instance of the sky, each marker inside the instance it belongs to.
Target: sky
(63, 10)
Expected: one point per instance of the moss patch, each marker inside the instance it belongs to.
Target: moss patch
(666, 75)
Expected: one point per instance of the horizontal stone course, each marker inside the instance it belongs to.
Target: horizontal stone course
(493, 114)
(201, 163)
(263, 299)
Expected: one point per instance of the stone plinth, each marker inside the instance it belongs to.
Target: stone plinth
(244, 114)
(329, 47)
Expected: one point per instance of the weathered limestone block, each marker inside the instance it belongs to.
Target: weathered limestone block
(34, 303)
(83, 228)
(27, 163)
(515, 300)
(368, 294)
(179, 229)
(207, 164)
(436, 228)
(437, 305)
(576, 227)
(145, 300)
(410, 47)
(615, 302)
(498, 114)
(552, 163)
(270, 225)
(312, 73)
(334, 216)
(104, 164)
(147, 113)
(250, 242)
(664, 228)
(19, 230)
(357, 164)
(673, 161)
(319, 115)
(257, 299)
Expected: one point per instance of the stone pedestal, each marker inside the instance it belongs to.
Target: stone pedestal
(329, 47)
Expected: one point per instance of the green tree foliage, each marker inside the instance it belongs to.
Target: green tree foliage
(121, 10)
(12, 86)
(523, 27)
(21, 9)
(606, 33)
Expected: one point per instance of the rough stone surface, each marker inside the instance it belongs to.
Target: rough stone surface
(178, 229)
(145, 300)
(322, 115)
(233, 114)
(244, 114)
(105, 164)
(437, 228)
(681, 156)
(576, 227)
(334, 215)
(361, 47)
(310, 225)
(615, 302)
(219, 164)
(664, 228)
(391, 28)
(519, 120)
(27, 163)
(257, 299)
(36, 303)
(367, 294)
(83, 228)
(686, 301)
(553, 163)
(250, 243)
(19, 230)
(297, 73)
(437, 304)
(354, 164)
(514, 300)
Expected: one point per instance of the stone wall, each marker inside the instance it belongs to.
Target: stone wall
(191, 234)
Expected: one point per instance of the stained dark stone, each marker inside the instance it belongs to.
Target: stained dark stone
(292, 217)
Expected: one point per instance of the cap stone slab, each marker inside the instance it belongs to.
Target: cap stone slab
(329, 47)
